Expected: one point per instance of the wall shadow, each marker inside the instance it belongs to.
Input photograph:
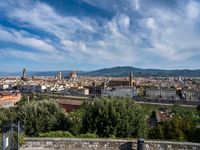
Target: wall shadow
(126, 146)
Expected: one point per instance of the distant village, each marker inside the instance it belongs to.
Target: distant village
(155, 89)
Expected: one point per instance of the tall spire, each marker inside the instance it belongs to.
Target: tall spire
(131, 78)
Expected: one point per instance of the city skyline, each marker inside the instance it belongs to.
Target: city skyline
(90, 34)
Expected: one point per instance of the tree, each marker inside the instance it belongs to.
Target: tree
(42, 116)
(76, 119)
(7, 115)
(114, 117)
(156, 133)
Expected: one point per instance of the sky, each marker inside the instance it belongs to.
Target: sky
(92, 34)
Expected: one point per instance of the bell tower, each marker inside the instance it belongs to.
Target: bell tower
(131, 78)
(24, 74)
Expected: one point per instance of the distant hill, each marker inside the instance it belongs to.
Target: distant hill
(2, 73)
(119, 71)
(124, 71)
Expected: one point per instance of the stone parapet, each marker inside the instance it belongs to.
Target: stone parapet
(102, 144)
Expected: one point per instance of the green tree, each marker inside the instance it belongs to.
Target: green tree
(75, 119)
(7, 115)
(114, 117)
(42, 116)
(156, 133)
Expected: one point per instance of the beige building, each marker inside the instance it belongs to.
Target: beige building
(79, 91)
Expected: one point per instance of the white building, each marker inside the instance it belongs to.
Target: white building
(5, 86)
(119, 91)
(32, 88)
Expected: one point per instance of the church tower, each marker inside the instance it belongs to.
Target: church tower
(24, 74)
(131, 78)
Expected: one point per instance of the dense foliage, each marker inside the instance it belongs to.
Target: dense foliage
(105, 117)
(42, 117)
(76, 121)
(36, 117)
(183, 127)
(114, 118)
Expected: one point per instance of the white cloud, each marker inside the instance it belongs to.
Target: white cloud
(150, 22)
(34, 56)
(45, 18)
(19, 37)
(193, 9)
(19, 54)
(124, 22)
(172, 34)
(126, 39)
(65, 29)
(136, 4)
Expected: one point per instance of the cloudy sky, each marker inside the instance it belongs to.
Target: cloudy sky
(93, 34)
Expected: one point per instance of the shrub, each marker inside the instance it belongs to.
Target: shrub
(87, 135)
(21, 139)
(54, 134)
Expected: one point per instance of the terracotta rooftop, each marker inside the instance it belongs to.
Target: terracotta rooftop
(70, 102)
(6, 93)
(162, 116)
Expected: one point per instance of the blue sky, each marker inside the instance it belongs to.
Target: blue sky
(93, 34)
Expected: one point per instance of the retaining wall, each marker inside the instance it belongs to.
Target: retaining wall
(102, 144)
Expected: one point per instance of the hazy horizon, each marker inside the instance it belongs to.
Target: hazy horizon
(19, 71)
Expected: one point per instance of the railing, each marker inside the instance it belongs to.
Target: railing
(10, 136)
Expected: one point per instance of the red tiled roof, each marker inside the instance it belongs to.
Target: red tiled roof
(70, 102)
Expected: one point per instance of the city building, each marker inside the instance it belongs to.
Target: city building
(5, 87)
(119, 91)
(72, 76)
(119, 82)
(191, 94)
(79, 91)
(32, 88)
(163, 93)
(9, 99)
(140, 91)
(59, 76)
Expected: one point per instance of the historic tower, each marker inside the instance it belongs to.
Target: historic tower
(24, 75)
(131, 78)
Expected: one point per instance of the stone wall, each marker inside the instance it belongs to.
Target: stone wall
(102, 144)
